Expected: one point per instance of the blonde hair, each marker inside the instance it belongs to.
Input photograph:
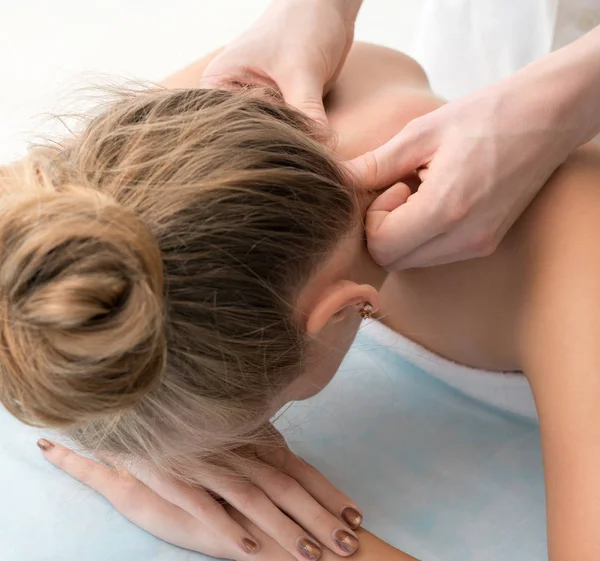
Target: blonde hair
(149, 270)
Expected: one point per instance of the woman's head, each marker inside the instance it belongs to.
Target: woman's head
(154, 289)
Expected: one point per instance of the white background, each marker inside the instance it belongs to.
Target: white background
(49, 48)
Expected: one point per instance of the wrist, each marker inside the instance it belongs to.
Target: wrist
(568, 84)
(347, 9)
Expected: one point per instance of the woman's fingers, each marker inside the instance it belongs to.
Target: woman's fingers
(291, 497)
(199, 503)
(255, 505)
(317, 485)
(269, 548)
(151, 512)
(278, 455)
(190, 517)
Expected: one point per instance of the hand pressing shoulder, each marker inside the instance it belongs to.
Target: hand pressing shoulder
(377, 93)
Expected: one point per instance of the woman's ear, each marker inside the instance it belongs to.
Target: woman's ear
(336, 299)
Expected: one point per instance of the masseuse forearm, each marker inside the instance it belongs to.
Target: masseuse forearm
(348, 8)
(569, 79)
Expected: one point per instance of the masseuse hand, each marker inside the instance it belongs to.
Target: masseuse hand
(250, 526)
(297, 45)
(481, 160)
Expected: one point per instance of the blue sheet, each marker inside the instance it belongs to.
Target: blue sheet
(438, 474)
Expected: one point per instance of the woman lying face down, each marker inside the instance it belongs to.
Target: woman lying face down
(196, 259)
(191, 263)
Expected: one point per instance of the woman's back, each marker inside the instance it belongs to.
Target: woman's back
(379, 92)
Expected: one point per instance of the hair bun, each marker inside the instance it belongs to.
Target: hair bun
(81, 306)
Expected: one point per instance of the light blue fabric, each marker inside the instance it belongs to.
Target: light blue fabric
(437, 474)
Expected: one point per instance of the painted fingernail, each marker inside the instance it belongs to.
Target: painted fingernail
(309, 549)
(352, 517)
(45, 445)
(249, 546)
(346, 542)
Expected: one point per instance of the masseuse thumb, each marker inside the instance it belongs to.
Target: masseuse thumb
(391, 162)
(306, 96)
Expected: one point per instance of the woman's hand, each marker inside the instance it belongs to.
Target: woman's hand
(297, 45)
(250, 526)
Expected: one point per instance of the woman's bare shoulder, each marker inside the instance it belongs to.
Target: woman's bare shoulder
(554, 245)
(568, 203)
(378, 92)
(367, 62)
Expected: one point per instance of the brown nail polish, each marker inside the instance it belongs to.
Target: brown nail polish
(352, 517)
(309, 549)
(249, 546)
(45, 445)
(347, 542)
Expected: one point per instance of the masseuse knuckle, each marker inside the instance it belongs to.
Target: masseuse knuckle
(415, 129)
(311, 105)
(371, 168)
(381, 247)
(454, 212)
(483, 244)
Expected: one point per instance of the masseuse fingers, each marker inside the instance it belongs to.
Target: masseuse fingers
(458, 244)
(316, 484)
(406, 227)
(412, 148)
(385, 203)
(304, 91)
(291, 497)
(259, 509)
(145, 508)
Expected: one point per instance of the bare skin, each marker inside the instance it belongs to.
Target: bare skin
(426, 305)
(530, 306)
